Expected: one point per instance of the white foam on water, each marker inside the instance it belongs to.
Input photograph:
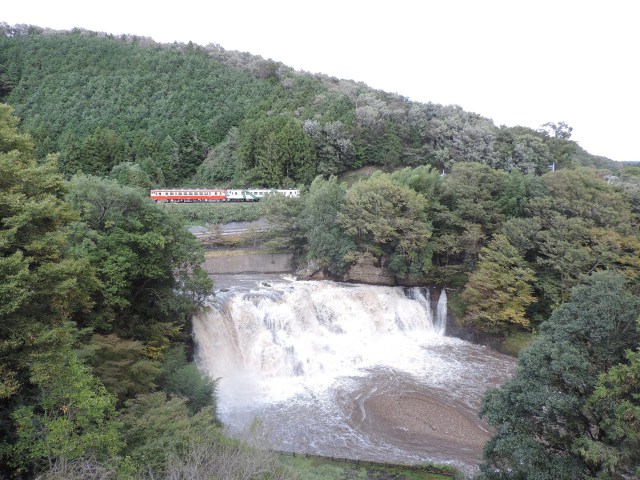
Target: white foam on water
(294, 353)
(276, 339)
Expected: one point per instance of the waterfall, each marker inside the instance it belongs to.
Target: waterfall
(422, 296)
(321, 329)
(345, 370)
(440, 324)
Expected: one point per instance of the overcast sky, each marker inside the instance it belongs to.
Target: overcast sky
(516, 62)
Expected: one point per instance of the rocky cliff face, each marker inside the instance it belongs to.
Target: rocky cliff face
(365, 271)
(233, 253)
(246, 261)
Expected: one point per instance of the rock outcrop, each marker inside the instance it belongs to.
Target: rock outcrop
(365, 271)
(246, 261)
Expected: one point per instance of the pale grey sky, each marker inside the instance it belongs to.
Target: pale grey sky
(516, 62)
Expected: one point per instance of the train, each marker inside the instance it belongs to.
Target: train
(203, 195)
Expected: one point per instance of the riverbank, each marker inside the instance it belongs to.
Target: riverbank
(312, 467)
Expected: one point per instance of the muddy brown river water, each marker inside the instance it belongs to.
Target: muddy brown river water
(352, 371)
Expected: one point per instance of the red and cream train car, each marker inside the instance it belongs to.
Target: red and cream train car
(189, 195)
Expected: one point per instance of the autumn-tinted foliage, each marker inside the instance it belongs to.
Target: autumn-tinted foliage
(548, 417)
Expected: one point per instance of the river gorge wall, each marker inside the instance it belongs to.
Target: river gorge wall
(246, 261)
(256, 260)
(229, 261)
(238, 248)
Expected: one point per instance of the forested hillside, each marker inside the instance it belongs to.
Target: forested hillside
(190, 115)
(97, 293)
(510, 247)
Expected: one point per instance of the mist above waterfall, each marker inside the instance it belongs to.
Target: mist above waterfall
(316, 360)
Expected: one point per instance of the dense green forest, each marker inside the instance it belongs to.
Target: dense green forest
(98, 289)
(509, 246)
(180, 115)
(531, 234)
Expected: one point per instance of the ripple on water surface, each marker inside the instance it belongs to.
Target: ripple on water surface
(348, 371)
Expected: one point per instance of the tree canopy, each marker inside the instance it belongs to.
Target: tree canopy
(546, 417)
(526, 229)
(97, 284)
(189, 115)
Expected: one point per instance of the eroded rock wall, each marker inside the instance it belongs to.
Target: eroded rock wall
(246, 261)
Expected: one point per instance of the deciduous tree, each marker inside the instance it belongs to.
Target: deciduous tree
(543, 415)
(388, 219)
(43, 289)
(328, 246)
(148, 263)
(500, 289)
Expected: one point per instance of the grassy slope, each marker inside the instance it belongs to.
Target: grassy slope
(315, 468)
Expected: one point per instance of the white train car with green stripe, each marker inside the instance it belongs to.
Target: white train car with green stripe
(255, 194)
(193, 195)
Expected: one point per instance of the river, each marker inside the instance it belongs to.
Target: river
(345, 370)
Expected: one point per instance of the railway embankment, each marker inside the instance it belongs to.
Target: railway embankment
(238, 248)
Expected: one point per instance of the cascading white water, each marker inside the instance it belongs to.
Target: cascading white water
(316, 361)
(440, 324)
(312, 329)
